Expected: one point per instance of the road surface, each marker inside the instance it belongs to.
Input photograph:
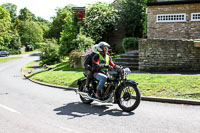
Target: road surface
(26, 107)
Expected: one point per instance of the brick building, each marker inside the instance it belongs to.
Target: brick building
(171, 27)
(177, 19)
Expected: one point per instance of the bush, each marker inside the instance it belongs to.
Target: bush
(130, 43)
(83, 42)
(14, 51)
(49, 54)
(75, 58)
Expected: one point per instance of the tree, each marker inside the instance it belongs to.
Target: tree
(69, 33)
(5, 23)
(133, 16)
(15, 43)
(30, 33)
(57, 25)
(101, 18)
(26, 14)
(12, 9)
(44, 25)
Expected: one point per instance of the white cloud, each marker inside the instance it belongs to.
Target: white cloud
(46, 8)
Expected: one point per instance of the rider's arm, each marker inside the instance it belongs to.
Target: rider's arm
(111, 62)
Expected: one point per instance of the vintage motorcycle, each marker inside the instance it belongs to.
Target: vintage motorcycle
(117, 89)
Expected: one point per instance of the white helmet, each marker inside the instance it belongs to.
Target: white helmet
(102, 44)
(95, 48)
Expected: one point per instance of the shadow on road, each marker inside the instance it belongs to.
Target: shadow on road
(78, 109)
(35, 54)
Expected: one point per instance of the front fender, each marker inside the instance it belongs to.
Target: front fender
(132, 82)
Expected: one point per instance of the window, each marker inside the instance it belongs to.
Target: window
(195, 17)
(180, 17)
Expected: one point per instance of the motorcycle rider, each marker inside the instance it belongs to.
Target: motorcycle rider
(101, 62)
(88, 71)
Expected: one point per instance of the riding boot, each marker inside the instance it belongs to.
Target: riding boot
(98, 94)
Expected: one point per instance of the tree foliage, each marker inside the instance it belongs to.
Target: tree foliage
(30, 33)
(5, 23)
(101, 18)
(133, 16)
(12, 9)
(44, 25)
(57, 25)
(69, 33)
(26, 15)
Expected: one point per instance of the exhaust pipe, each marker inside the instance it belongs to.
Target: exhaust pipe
(86, 95)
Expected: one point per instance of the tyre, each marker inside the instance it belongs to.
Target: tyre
(129, 97)
(82, 88)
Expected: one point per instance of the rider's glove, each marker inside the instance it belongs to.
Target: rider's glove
(117, 68)
(108, 66)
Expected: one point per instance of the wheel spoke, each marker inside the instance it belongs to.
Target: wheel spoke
(129, 90)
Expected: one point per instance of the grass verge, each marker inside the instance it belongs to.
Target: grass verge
(8, 59)
(158, 85)
(64, 66)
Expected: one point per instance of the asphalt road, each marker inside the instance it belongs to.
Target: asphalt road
(26, 107)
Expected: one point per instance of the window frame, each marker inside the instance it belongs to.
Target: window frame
(197, 13)
(170, 17)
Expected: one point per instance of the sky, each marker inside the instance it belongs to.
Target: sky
(46, 8)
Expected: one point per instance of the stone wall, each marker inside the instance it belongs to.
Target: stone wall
(173, 30)
(168, 55)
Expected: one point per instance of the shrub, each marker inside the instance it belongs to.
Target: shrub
(83, 42)
(75, 58)
(14, 51)
(130, 43)
(49, 54)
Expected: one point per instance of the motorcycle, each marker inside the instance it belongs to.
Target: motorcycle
(117, 89)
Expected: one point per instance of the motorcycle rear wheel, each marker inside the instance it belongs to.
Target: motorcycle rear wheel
(82, 88)
(129, 97)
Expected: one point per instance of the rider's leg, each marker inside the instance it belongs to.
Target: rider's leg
(102, 79)
(89, 77)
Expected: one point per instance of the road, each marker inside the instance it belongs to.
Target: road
(26, 107)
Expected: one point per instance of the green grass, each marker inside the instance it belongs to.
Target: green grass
(159, 85)
(64, 66)
(8, 59)
(58, 78)
(172, 86)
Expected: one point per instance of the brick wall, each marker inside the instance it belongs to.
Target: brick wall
(168, 55)
(173, 30)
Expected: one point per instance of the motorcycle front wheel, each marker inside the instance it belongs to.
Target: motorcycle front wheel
(82, 88)
(129, 97)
